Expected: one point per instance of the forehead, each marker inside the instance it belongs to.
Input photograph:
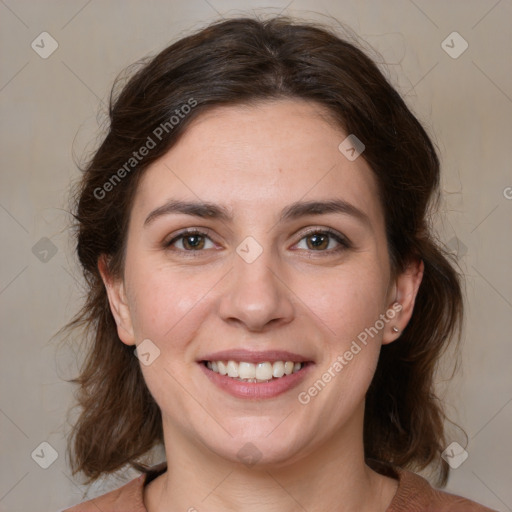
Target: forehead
(260, 156)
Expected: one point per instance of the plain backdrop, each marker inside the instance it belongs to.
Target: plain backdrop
(49, 114)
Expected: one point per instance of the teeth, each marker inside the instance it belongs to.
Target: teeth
(250, 372)
(288, 367)
(246, 371)
(278, 369)
(264, 371)
(222, 368)
(232, 369)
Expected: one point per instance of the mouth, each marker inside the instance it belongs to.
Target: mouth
(245, 371)
(255, 375)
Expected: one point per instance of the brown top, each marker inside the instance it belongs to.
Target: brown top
(414, 494)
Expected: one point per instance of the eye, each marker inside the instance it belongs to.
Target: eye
(191, 240)
(318, 240)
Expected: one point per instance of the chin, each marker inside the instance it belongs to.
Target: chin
(259, 449)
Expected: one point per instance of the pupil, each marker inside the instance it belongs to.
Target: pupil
(317, 240)
(193, 237)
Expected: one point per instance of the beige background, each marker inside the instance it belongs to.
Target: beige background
(49, 112)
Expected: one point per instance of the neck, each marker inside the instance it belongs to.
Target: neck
(332, 476)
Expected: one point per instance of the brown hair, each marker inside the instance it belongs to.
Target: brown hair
(242, 61)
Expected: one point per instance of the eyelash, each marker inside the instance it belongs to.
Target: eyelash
(344, 243)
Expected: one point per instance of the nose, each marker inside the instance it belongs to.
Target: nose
(256, 294)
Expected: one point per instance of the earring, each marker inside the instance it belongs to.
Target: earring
(396, 329)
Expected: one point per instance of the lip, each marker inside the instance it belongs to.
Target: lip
(256, 390)
(249, 356)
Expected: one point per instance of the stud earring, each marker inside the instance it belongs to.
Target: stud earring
(396, 329)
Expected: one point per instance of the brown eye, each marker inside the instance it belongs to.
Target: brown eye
(325, 241)
(190, 241)
(318, 241)
(193, 242)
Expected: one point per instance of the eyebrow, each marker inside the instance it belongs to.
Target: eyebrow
(293, 211)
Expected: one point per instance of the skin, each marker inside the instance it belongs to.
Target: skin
(255, 160)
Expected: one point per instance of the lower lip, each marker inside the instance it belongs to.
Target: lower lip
(256, 390)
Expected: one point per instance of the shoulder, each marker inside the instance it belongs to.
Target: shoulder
(416, 494)
(128, 498)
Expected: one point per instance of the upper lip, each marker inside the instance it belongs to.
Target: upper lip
(249, 356)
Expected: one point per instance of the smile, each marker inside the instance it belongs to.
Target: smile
(269, 381)
(254, 372)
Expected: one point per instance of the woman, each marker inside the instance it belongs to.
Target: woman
(254, 228)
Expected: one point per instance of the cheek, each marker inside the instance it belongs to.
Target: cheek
(161, 298)
(347, 300)
(348, 305)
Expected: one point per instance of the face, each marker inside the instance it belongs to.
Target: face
(261, 277)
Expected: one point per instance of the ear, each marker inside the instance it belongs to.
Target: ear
(118, 303)
(404, 291)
